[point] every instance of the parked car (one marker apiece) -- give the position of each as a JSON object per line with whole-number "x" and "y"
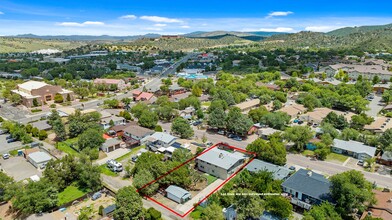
{"x": 11, "y": 140}
{"x": 209, "y": 144}
{"x": 292, "y": 168}
{"x": 360, "y": 163}
{"x": 96, "y": 196}
{"x": 3, "y": 131}
{"x": 222, "y": 132}
{"x": 196, "y": 123}
{"x": 6, "y": 156}
{"x": 8, "y": 137}
{"x": 134, "y": 159}
{"x": 230, "y": 135}
{"x": 237, "y": 138}
{"x": 43, "y": 166}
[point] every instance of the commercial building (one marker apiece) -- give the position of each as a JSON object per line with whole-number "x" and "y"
{"x": 38, "y": 159}
{"x": 35, "y": 92}
{"x": 117, "y": 83}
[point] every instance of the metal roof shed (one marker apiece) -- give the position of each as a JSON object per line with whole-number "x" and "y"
{"x": 177, "y": 194}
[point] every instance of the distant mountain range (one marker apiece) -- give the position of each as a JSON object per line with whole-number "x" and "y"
{"x": 353, "y": 30}
{"x": 253, "y": 36}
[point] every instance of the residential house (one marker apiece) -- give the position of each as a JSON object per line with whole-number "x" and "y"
{"x": 132, "y": 134}
{"x": 272, "y": 87}
{"x": 125, "y": 66}
{"x": 42, "y": 125}
{"x": 307, "y": 188}
{"x": 178, "y": 194}
{"x": 355, "y": 149}
{"x": 144, "y": 96}
{"x": 118, "y": 83}
{"x": 278, "y": 172}
{"x": 330, "y": 81}
{"x": 112, "y": 144}
{"x": 187, "y": 113}
{"x": 293, "y": 110}
{"x": 40, "y": 92}
{"x": 248, "y": 105}
{"x": 118, "y": 130}
{"x": 318, "y": 114}
{"x": 383, "y": 208}
{"x": 380, "y": 88}
{"x": 220, "y": 163}
{"x": 386, "y": 158}
{"x": 158, "y": 140}
{"x": 264, "y": 133}
{"x": 175, "y": 89}
{"x": 112, "y": 120}
{"x": 367, "y": 71}
{"x": 379, "y": 125}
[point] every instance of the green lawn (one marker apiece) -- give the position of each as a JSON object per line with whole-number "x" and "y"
{"x": 207, "y": 104}
{"x": 210, "y": 178}
{"x": 307, "y": 152}
{"x": 15, "y": 152}
{"x": 69, "y": 194}
{"x": 133, "y": 151}
{"x": 65, "y": 147}
{"x": 105, "y": 170}
{"x": 336, "y": 157}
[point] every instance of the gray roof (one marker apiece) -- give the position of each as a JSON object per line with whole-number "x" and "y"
{"x": 177, "y": 191}
{"x": 111, "y": 142}
{"x": 164, "y": 137}
{"x": 39, "y": 157}
{"x": 109, "y": 209}
{"x": 113, "y": 118}
{"x": 387, "y": 156}
{"x": 221, "y": 158}
{"x": 42, "y": 125}
{"x": 354, "y": 146}
{"x": 138, "y": 130}
{"x": 312, "y": 184}
{"x": 278, "y": 172}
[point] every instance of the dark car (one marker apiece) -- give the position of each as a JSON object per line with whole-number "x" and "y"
{"x": 11, "y": 140}
{"x": 3, "y": 131}
{"x": 292, "y": 168}
{"x": 8, "y": 137}
{"x": 196, "y": 123}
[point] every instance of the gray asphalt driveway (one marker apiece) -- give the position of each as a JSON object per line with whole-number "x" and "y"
{"x": 19, "y": 168}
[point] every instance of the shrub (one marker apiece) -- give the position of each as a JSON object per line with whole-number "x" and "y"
{"x": 52, "y": 106}
{"x": 158, "y": 128}
{"x": 58, "y": 98}
{"x": 100, "y": 210}
{"x": 42, "y": 135}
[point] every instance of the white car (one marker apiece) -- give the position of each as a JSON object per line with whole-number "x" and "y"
{"x": 6, "y": 156}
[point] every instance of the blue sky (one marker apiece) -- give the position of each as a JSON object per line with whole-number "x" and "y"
{"x": 119, "y": 18}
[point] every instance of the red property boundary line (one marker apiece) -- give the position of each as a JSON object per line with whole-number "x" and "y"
{"x": 213, "y": 191}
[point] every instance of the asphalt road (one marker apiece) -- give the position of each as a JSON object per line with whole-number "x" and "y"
{"x": 374, "y": 106}
{"x": 329, "y": 169}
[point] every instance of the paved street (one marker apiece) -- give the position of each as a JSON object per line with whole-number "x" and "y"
{"x": 374, "y": 106}
{"x": 329, "y": 168}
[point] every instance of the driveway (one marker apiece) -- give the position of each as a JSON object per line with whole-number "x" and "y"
{"x": 374, "y": 106}
{"x": 7, "y": 147}
{"x": 19, "y": 168}
{"x": 113, "y": 155}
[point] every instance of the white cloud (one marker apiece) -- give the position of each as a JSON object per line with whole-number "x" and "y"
{"x": 185, "y": 26}
{"x": 160, "y": 19}
{"x": 152, "y": 29}
{"x": 278, "y": 29}
{"x": 279, "y": 14}
{"x": 1, "y": 13}
{"x": 76, "y": 24}
{"x": 160, "y": 25}
{"x": 321, "y": 28}
{"x": 129, "y": 17}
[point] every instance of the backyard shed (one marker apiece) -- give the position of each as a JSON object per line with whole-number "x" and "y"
{"x": 177, "y": 194}
{"x": 38, "y": 158}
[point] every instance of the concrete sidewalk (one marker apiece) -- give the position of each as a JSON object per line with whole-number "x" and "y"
{"x": 201, "y": 195}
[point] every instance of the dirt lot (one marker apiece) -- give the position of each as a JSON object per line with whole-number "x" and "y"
{"x": 19, "y": 168}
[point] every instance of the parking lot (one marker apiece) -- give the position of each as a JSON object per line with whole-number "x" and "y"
{"x": 19, "y": 168}
{"x": 7, "y": 147}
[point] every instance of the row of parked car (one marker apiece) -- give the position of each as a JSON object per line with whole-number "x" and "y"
{"x": 230, "y": 135}
{"x": 9, "y": 138}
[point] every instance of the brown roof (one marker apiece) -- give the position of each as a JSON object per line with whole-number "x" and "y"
{"x": 118, "y": 128}
{"x": 248, "y": 104}
{"x": 383, "y": 208}
{"x": 138, "y": 130}
{"x": 293, "y": 110}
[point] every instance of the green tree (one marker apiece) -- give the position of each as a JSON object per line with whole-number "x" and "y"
{"x": 181, "y": 127}
{"x": 59, "y": 130}
{"x": 276, "y": 120}
{"x": 386, "y": 140}
{"x": 310, "y": 101}
{"x": 212, "y": 211}
{"x": 35, "y": 102}
{"x": 351, "y": 191}
{"x": 248, "y": 206}
{"x": 279, "y": 206}
{"x": 82, "y": 92}
{"x": 148, "y": 119}
{"x": 387, "y": 96}
{"x": 142, "y": 178}
{"x": 58, "y": 98}
{"x": 197, "y": 91}
{"x": 277, "y": 105}
{"x": 138, "y": 109}
{"x": 359, "y": 121}
{"x": 257, "y": 113}
{"x": 237, "y": 122}
{"x": 325, "y": 211}
{"x": 90, "y": 139}
{"x": 16, "y": 98}
{"x": 42, "y": 135}
{"x": 35, "y": 197}
{"x": 273, "y": 151}
{"x": 129, "y": 204}
{"x": 217, "y": 118}
{"x": 300, "y": 135}
{"x": 338, "y": 121}
{"x": 6, "y": 184}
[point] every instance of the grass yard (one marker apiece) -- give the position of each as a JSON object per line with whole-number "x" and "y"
{"x": 105, "y": 170}
{"x": 207, "y": 104}
{"x": 69, "y": 194}
{"x": 336, "y": 157}
{"x": 133, "y": 151}
{"x": 65, "y": 147}
{"x": 307, "y": 152}
{"x": 15, "y": 152}
{"x": 210, "y": 178}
